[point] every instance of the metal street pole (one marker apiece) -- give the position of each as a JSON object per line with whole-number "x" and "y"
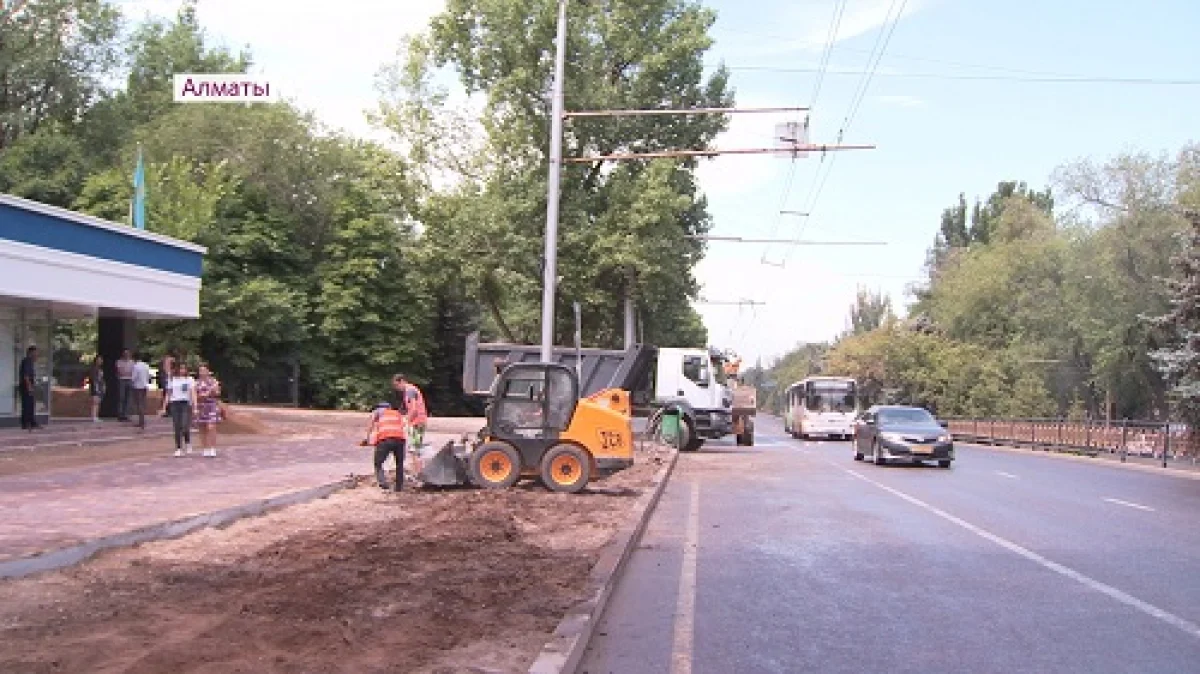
{"x": 550, "y": 278}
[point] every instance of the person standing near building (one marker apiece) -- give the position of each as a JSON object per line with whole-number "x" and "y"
{"x": 387, "y": 433}
{"x": 165, "y": 370}
{"x": 124, "y": 384}
{"x": 181, "y": 401}
{"x": 208, "y": 409}
{"x": 96, "y": 386}
{"x": 414, "y": 408}
{"x": 139, "y": 385}
{"x": 28, "y": 376}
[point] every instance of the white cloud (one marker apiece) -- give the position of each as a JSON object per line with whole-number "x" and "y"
{"x": 901, "y": 100}
{"x": 323, "y": 57}
{"x": 813, "y": 21}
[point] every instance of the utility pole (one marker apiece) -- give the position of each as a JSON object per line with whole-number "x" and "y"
{"x": 550, "y": 272}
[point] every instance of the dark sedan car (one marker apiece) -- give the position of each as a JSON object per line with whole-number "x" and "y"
{"x": 898, "y": 433}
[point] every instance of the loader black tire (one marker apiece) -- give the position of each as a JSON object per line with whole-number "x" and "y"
{"x": 495, "y": 465}
{"x": 566, "y": 468}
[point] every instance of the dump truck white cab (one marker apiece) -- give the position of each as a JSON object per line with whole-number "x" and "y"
{"x": 694, "y": 380}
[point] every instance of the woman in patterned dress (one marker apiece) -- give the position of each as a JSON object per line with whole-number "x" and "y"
{"x": 208, "y": 409}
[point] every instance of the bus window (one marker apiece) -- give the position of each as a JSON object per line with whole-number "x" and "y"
{"x": 829, "y": 399}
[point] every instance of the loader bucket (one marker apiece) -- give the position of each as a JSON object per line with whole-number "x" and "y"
{"x": 443, "y": 467}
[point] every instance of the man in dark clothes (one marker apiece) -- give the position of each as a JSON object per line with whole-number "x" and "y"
{"x": 28, "y": 386}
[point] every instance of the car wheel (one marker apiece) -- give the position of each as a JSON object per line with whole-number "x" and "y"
{"x": 877, "y": 455}
{"x": 943, "y": 464}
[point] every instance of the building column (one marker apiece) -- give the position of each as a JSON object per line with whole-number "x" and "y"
{"x": 116, "y": 333}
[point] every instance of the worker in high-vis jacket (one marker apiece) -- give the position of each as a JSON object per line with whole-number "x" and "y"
{"x": 387, "y": 433}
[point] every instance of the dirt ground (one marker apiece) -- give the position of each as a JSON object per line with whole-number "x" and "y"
{"x": 457, "y": 580}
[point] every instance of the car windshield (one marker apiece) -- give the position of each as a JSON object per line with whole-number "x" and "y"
{"x": 905, "y": 417}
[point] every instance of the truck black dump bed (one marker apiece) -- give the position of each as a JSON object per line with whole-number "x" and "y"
{"x": 631, "y": 369}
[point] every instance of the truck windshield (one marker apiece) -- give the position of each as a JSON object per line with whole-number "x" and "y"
{"x": 718, "y": 370}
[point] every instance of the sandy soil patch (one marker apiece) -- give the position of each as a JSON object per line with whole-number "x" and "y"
{"x": 457, "y": 580}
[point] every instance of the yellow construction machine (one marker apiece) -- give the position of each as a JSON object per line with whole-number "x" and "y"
{"x": 538, "y": 426}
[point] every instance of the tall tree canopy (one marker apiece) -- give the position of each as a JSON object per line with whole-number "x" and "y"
{"x": 624, "y": 227}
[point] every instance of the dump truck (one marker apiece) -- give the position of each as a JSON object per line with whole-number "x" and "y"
{"x": 745, "y": 400}
{"x": 688, "y": 379}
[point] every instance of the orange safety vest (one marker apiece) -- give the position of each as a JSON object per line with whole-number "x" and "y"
{"x": 389, "y": 425}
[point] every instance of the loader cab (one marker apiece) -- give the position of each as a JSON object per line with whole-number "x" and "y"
{"x": 532, "y": 403}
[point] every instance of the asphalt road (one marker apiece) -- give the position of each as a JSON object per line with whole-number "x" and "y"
{"x": 791, "y": 557}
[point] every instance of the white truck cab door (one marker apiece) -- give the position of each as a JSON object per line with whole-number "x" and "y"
{"x": 687, "y": 374}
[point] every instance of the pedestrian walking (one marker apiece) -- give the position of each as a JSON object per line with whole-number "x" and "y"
{"x": 139, "y": 385}
{"x": 414, "y": 408}
{"x": 387, "y": 433}
{"x": 208, "y": 409}
{"x": 28, "y": 386}
{"x": 124, "y": 384}
{"x": 181, "y": 402}
{"x": 96, "y": 386}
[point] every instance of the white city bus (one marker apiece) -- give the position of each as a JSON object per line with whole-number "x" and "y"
{"x": 821, "y": 407}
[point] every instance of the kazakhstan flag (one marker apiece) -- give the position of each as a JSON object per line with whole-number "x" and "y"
{"x": 137, "y": 209}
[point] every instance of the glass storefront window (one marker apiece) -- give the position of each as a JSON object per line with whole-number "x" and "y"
{"x": 10, "y": 359}
{"x": 20, "y": 329}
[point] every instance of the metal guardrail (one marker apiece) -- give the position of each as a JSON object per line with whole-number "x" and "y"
{"x": 1124, "y": 438}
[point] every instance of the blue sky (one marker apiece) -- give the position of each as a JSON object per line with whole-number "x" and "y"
{"x": 936, "y": 136}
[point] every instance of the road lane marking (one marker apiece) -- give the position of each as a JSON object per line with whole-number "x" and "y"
{"x": 1008, "y": 475}
{"x": 685, "y": 605}
{"x": 1129, "y": 600}
{"x": 1128, "y": 504}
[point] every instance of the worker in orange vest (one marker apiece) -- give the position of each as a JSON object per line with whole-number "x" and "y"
{"x": 387, "y": 433}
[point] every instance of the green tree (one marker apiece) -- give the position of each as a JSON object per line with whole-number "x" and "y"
{"x": 624, "y": 228}
{"x": 1180, "y": 362}
{"x": 54, "y": 56}
{"x": 45, "y": 166}
{"x": 869, "y": 311}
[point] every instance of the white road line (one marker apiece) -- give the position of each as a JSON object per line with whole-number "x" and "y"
{"x": 1149, "y": 609}
{"x": 1008, "y": 475}
{"x": 1128, "y": 504}
{"x": 685, "y": 606}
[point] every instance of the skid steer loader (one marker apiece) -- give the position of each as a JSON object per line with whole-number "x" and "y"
{"x": 539, "y": 427}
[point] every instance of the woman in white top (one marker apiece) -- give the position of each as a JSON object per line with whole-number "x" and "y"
{"x": 181, "y": 402}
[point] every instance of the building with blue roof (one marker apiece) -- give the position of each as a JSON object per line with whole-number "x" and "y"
{"x": 58, "y": 264}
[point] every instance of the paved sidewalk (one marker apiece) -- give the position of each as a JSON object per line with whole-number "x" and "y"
{"x": 55, "y": 509}
{"x": 69, "y": 432}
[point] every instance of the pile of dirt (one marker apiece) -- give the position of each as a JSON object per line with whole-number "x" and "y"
{"x": 363, "y": 581}
{"x": 242, "y": 422}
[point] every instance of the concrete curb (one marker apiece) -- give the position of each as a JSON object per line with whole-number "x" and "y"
{"x": 1066, "y": 456}
{"x": 69, "y": 556}
{"x": 563, "y": 653}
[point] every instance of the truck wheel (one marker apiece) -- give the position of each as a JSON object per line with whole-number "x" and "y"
{"x": 566, "y": 468}
{"x": 495, "y": 465}
{"x": 746, "y": 437}
{"x": 689, "y": 440}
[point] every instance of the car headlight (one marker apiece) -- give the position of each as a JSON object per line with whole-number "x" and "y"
{"x": 892, "y": 437}
{"x": 945, "y": 438}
